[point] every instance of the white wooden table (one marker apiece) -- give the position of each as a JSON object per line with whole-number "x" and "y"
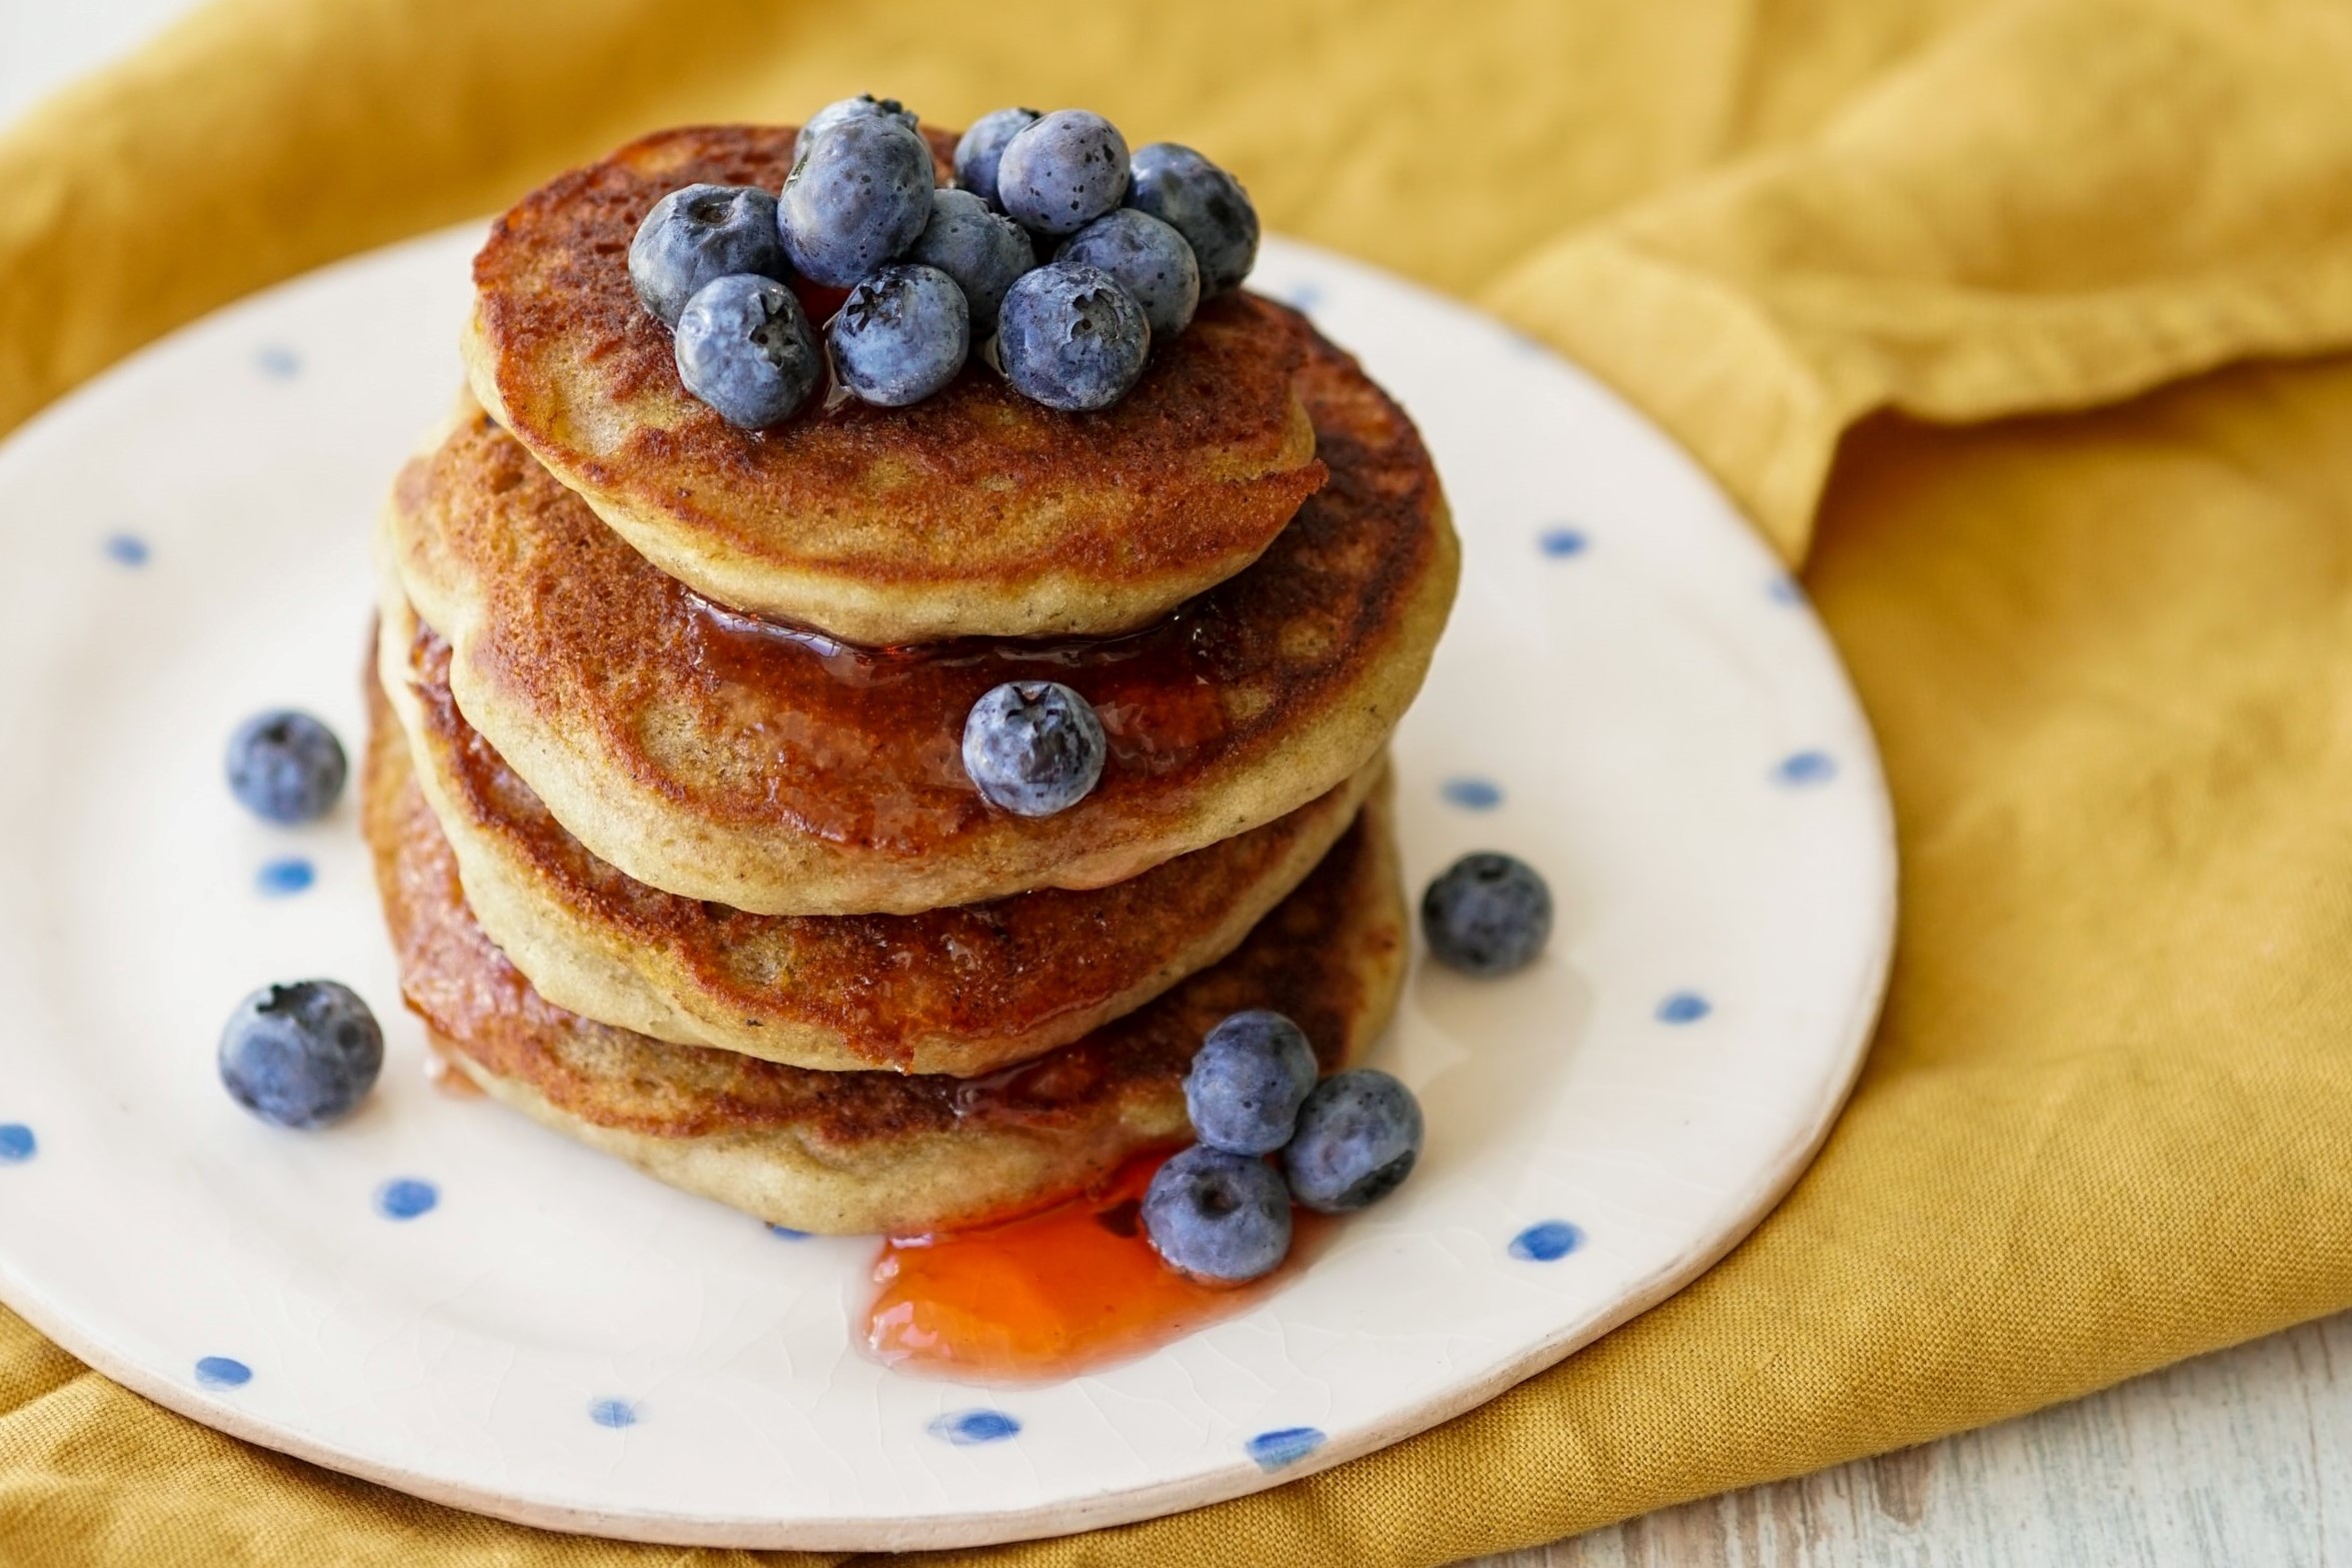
{"x": 2242, "y": 1458}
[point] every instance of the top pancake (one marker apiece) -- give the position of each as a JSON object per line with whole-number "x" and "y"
{"x": 729, "y": 759}
{"x": 974, "y": 512}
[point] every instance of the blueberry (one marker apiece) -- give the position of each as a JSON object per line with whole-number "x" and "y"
{"x": 1359, "y": 1135}
{"x": 1220, "y": 1218}
{"x": 1034, "y": 746}
{"x": 1247, "y": 1081}
{"x": 901, "y": 335}
{"x": 1489, "y": 914}
{"x": 745, "y": 348}
{"x": 1203, "y": 204}
{"x": 978, "y": 153}
{"x": 285, "y": 766}
{"x": 1062, "y": 171}
{"x": 301, "y": 1056}
{"x": 1150, "y": 260}
{"x": 1070, "y": 337}
{"x": 863, "y": 107}
{"x": 982, "y": 250}
{"x": 698, "y": 234}
{"x": 860, "y": 196}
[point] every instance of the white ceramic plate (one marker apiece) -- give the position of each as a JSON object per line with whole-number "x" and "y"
{"x": 441, "y": 1298}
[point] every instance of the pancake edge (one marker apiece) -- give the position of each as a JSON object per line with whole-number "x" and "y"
{"x": 592, "y": 972}
{"x": 963, "y": 1177}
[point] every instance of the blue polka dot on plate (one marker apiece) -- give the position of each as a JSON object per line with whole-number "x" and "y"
{"x": 615, "y": 1413}
{"x": 278, "y": 362}
{"x": 1283, "y": 1446}
{"x": 1684, "y": 1007}
{"x": 967, "y": 1427}
{"x": 788, "y": 1232}
{"x": 1305, "y": 296}
{"x": 17, "y": 1143}
{"x": 1471, "y": 795}
{"x": 289, "y": 874}
{"x": 1561, "y": 542}
{"x": 223, "y": 1372}
{"x": 1546, "y": 1241}
{"x": 1806, "y": 768}
{"x": 405, "y": 1197}
{"x": 1783, "y": 590}
{"x": 126, "y": 550}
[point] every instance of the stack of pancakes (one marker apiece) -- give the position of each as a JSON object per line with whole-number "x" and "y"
{"x": 665, "y": 782}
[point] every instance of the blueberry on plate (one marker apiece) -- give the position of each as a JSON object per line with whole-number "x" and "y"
{"x": 285, "y": 766}
{"x": 1034, "y": 746}
{"x": 1062, "y": 171}
{"x": 1203, "y": 204}
{"x": 1247, "y": 1081}
{"x": 863, "y": 107}
{"x": 857, "y": 198}
{"x": 699, "y": 233}
{"x": 901, "y": 335}
{"x": 1359, "y": 1135}
{"x": 301, "y": 1056}
{"x": 1217, "y": 1217}
{"x": 1070, "y": 338}
{"x": 1487, "y": 914}
{"x": 981, "y": 249}
{"x": 982, "y": 146}
{"x": 744, "y": 347}
{"x": 1150, "y": 260}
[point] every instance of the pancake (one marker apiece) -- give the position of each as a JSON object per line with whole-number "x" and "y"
{"x": 736, "y": 760}
{"x": 847, "y": 1153}
{"x": 972, "y": 513}
{"x": 956, "y": 991}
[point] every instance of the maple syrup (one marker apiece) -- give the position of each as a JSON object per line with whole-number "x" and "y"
{"x": 1069, "y": 1291}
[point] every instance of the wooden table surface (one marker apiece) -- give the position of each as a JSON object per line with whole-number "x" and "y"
{"x": 2241, "y": 1459}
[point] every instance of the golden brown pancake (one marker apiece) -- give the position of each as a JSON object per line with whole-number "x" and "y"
{"x": 731, "y": 759}
{"x": 972, "y": 513}
{"x": 956, "y": 991}
{"x": 871, "y": 1151}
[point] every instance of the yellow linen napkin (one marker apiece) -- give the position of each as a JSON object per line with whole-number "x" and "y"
{"x": 2107, "y": 1121}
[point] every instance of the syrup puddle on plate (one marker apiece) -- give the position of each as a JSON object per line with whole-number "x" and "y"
{"x": 1069, "y": 1291}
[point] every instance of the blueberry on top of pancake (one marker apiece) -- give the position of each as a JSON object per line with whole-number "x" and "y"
{"x": 976, "y": 512}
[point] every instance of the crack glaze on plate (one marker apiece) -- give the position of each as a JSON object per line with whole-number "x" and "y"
{"x": 440, "y": 1296}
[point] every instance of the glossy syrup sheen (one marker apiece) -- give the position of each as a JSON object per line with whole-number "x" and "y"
{"x": 1049, "y": 1296}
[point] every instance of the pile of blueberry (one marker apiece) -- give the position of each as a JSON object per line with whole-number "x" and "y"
{"x": 1219, "y": 1211}
{"x": 302, "y": 1054}
{"x": 1072, "y": 254}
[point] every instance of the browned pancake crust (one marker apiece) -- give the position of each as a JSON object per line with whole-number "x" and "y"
{"x": 956, "y": 991}
{"x": 976, "y": 511}
{"x": 726, "y": 758}
{"x": 849, "y": 1152}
